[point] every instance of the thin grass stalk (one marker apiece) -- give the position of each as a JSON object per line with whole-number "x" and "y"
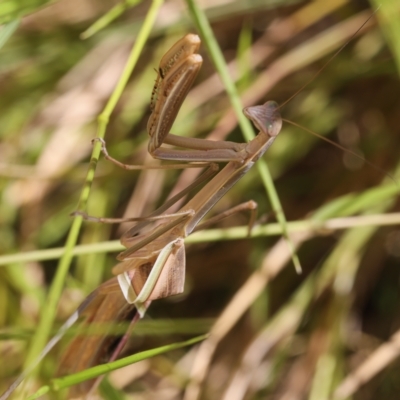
{"x": 57, "y": 384}
{"x": 49, "y": 310}
{"x": 215, "y": 235}
{"x": 109, "y": 17}
{"x": 388, "y": 12}
{"x": 7, "y": 31}
{"x": 216, "y": 55}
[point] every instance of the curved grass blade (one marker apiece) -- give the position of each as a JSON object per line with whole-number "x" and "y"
{"x": 70, "y": 380}
{"x": 216, "y": 55}
{"x": 48, "y": 313}
{"x": 7, "y": 31}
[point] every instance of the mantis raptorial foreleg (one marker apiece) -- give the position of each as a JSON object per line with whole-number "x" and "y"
{"x": 176, "y": 74}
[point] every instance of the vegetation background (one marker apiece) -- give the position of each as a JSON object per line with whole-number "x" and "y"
{"x": 317, "y": 335}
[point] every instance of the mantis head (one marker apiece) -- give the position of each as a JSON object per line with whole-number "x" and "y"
{"x": 266, "y": 117}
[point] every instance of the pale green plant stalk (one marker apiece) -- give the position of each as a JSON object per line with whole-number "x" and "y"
{"x": 57, "y": 384}
{"x": 218, "y": 235}
{"x": 388, "y": 13}
{"x": 216, "y": 55}
{"x": 109, "y": 17}
{"x": 49, "y": 310}
{"x": 6, "y": 31}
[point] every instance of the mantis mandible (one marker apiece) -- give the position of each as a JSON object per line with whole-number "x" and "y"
{"x": 153, "y": 265}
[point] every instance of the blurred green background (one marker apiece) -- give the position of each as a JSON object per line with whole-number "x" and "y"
{"x": 60, "y": 62}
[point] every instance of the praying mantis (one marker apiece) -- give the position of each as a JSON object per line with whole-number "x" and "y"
{"x": 153, "y": 265}
{"x": 96, "y": 307}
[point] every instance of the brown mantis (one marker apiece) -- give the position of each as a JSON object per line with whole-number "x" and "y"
{"x": 153, "y": 266}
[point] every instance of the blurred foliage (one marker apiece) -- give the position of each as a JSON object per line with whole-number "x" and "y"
{"x": 302, "y": 334}
{"x": 14, "y": 9}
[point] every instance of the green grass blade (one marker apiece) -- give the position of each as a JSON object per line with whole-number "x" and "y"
{"x": 70, "y": 380}
{"x": 107, "y": 18}
{"x": 388, "y": 16}
{"x": 12, "y": 9}
{"x": 48, "y": 312}
{"x": 216, "y": 55}
{"x": 7, "y": 30}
